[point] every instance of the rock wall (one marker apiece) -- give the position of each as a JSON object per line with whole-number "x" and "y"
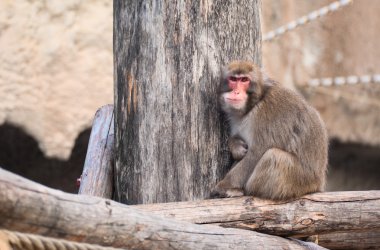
{"x": 343, "y": 43}
{"x": 56, "y": 65}
{"x": 56, "y": 68}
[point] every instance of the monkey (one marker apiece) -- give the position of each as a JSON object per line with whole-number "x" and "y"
{"x": 278, "y": 141}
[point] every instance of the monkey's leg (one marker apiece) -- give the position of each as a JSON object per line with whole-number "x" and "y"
{"x": 278, "y": 175}
{"x": 233, "y": 183}
{"x": 224, "y": 189}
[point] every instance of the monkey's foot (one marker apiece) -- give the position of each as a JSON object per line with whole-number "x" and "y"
{"x": 234, "y": 192}
{"x": 229, "y": 193}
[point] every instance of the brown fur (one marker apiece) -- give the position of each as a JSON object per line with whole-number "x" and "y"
{"x": 279, "y": 142}
{"x": 240, "y": 66}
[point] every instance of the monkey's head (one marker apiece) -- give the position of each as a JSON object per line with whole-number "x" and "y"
{"x": 241, "y": 87}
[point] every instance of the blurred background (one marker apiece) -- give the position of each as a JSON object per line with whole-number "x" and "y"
{"x": 56, "y": 70}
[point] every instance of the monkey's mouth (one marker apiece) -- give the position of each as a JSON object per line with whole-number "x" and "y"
{"x": 234, "y": 100}
{"x": 235, "y": 103}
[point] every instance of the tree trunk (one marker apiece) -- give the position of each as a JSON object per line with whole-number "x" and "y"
{"x": 29, "y": 207}
{"x": 170, "y": 137}
{"x": 97, "y": 176}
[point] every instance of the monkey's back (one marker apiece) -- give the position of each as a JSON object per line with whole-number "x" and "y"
{"x": 284, "y": 120}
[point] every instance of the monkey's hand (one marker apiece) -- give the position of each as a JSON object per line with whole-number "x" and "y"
{"x": 237, "y": 147}
{"x": 222, "y": 192}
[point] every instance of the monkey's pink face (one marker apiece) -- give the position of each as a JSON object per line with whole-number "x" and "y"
{"x": 237, "y": 97}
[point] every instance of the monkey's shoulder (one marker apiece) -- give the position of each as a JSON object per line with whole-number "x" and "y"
{"x": 281, "y": 100}
{"x": 283, "y": 110}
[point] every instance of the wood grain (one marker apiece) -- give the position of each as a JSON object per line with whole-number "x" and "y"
{"x": 312, "y": 214}
{"x": 170, "y": 137}
{"x": 29, "y": 207}
{"x": 351, "y": 240}
{"x": 97, "y": 176}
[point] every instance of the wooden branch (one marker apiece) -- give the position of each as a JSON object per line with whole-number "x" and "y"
{"x": 97, "y": 176}
{"x": 312, "y": 214}
{"x": 26, "y": 206}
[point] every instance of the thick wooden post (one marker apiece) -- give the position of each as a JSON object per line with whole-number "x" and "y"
{"x": 170, "y": 137}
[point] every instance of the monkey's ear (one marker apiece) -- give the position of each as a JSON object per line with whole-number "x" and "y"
{"x": 253, "y": 87}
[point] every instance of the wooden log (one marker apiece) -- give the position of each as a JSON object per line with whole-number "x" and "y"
{"x": 170, "y": 139}
{"x": 97, "y": 176}
{"x": 312, "y": 214}
{"x": 26, "y": 206}
{"x": 350, "y": 240}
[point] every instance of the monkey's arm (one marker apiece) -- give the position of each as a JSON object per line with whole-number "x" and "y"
{"x": 238, "y": 147}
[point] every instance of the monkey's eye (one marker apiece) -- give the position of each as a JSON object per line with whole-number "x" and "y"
{"x": 245, "y": 79}
{"x": 233, "y": 78}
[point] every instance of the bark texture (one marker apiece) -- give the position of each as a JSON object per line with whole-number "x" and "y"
{"x": 29, "y": 207}
{"x": 312, "y": 214}
{"x": 97, "y": 176}
{"x": 170, "y": 137}
{"x": 351, "y": 240}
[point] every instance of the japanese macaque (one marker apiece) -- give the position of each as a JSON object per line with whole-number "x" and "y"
{"x": 279, "y": 142}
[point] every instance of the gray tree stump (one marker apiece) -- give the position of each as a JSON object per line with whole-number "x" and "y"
{"x": 170, "y": 137}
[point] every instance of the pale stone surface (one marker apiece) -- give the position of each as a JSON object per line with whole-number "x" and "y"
{"x": 341, "y": 44}
{"x": 56, "y": 67}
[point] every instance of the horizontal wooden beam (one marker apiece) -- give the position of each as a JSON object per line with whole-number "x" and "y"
{"x": 350, "y": 240}
{"x": 29, "y": 207}
{"x": 318, "y": 213}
